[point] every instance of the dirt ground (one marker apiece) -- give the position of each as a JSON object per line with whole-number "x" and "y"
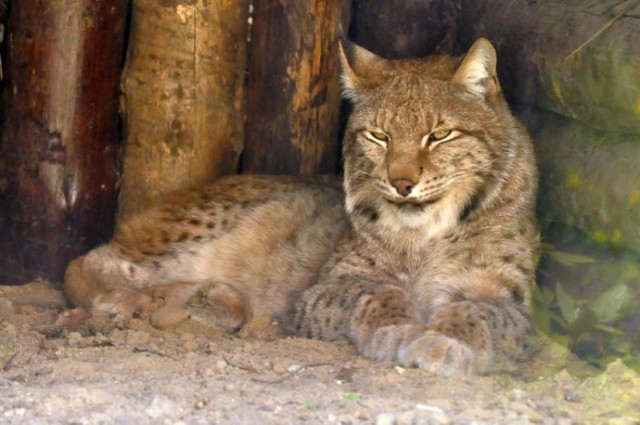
{"x": 127, "y": 372}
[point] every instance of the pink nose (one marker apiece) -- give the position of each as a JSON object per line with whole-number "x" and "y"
{"x": 403, "y": 186}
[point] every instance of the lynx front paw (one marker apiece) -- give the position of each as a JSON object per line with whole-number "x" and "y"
{"x": 413, "y": 345}
{"x": 124, "y": 302}
{"x": 438, "y": 354}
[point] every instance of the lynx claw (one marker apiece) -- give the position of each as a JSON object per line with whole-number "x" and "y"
{"x": 437, "y": 354}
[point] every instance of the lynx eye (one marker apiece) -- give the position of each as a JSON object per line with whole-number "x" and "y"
{"x": 377, "y": 137}
{"x": 439, "y": 135}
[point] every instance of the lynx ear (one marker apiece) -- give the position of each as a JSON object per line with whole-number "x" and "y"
{"x": 477, "y": 72}
{"x": 361, "y": 69}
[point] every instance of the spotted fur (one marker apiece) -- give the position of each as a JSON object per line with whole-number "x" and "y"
{"x": 431, "y": 265}
{"x": 440, "y": 186}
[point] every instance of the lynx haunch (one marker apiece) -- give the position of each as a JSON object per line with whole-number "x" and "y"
{"x": 430, "y": 264}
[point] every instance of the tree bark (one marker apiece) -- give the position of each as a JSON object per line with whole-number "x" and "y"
{"x": 58, "y": 183}
{"x": 293, "y": 99}
{"x": 183, "y": 96}
{"x": 405, "y": 29}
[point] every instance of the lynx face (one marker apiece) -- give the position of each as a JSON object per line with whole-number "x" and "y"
{"x": 424, "y": 141}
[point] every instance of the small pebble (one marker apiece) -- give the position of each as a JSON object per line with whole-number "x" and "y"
{"x": 74, "y": 336}
{"x": 358, "y": 415}
{"x": 10, "y": 328}
{"x": 191, "y": 345}
{"x": 221, "y": 364}
{"x": 200, "y": 404}
{"x": 21, "y": 379}
{"x": 424, "y": 414}
{"x": 27, "y": 309}
{"x": 48, "y": 345}
{"x": 187, "y": 337}
{"x": 386, "y": 418}
{"x": 271, "y": 406}
{"x": 118, "y": 337}
{"x": 6, "y": 308}
{"x": 161, "y": 406}
{"x": 572, "y": 397}
{"x": 294, "y": 368}
{"x": 137, "y": 338}
{"x": 43, "y": 371}
{"x": 279, "y": 368}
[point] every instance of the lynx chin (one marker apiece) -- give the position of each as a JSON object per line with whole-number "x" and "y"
{"x": 424, "y": 257}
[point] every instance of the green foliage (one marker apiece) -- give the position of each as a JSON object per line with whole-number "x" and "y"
{"x": 609, "y": 305}
{"x": 5, "y": 350}
{"x": 587, "y": 296}
{"x": 588, "y": 327}
{"x": 346, "y": 398}
{"x": 567, "y": 306}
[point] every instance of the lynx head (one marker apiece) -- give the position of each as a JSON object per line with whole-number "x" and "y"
{"x": 428, "y": 139}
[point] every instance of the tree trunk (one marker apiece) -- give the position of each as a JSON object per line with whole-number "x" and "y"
{"x": 572, "y": 58}
{"x": 293, "y": 99}
{"x": 183, "y": 96}
{"x": 405, "y": 29}
{"x": 58, "y": 185}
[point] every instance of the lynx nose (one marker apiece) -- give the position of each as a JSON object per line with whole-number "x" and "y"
{"x": 403, "y": 186}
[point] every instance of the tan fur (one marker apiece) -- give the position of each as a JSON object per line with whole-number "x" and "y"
{"x": 438, "y": 270}
{"x": 247, "y": 244}
{"x": 434, "y": 267}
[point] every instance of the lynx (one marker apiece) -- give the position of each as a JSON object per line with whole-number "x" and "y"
{"x": 429, "y": 263}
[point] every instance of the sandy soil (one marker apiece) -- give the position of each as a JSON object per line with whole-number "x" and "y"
{"x": 126, "y": 372}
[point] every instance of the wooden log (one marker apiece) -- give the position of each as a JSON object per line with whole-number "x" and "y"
{"x": 405, "y": 29}
{"x": 58, "y": 189}
{"x": 293, "y": 98}
{"x": 589, "y": 179}
{"x": 578, "y": 60}
{"x": 183, "y": 96}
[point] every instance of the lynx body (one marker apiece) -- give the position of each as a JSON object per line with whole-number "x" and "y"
{"x": 431, "y": 265}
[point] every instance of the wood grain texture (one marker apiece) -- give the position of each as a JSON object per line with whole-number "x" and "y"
{"x": 293, "y": 93}
{"x": 183, "y": 91}
{"x": 58, "y": 179}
